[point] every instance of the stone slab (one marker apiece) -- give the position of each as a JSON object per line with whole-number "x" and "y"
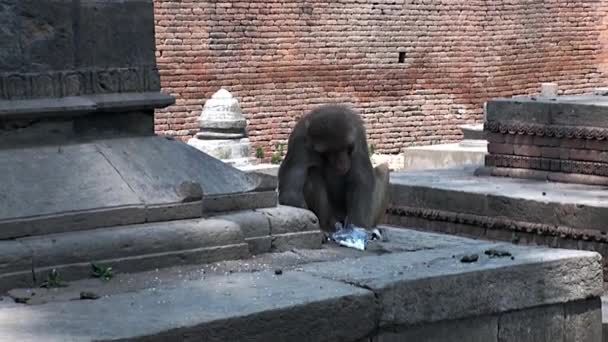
{"x": 478, "y": 329}
{"x": 459, "y": 191}
{"x": 286, "y": 219}
{"x": 154, "y": 178}
{"x": 127, "y": 248}
{"x": 584, "y": 110}
{"x": 430, "y": 286}
{"x": 119, "y": 181}
{"x": 261, "y": 306}
{"x": 359, "y": 292}
{"x": 442, "y": 156}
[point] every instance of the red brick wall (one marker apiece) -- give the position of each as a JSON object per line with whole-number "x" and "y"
{"x": 281, "y": 58}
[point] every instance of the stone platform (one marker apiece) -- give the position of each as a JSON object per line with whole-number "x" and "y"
{"x": 522, "y": 210}
{"x": 415, "y": 287}
{"x": 443, "y": 156}
{"x": 139, "y": 247}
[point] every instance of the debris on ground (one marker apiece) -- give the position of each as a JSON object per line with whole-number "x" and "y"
{"x": 353, "y": 236}
{"x": 469, "y": 258}
{"x": 497, "y": 253}
{"x": 278, "y": 271}
{"x": 88, "y": 295}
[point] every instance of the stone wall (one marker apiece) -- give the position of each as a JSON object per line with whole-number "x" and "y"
{"x": 416, "y": 69}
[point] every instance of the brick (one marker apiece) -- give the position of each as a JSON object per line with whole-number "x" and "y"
{"x": 500, "y": 148}
{"x": 280, "y": 59}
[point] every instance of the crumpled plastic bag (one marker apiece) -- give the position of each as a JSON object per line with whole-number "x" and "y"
{"x": 353, "y": 236}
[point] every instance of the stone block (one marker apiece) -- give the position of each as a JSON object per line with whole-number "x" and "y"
{"x": 259, "y": 245}
{"x": 542, "y": 324}
{"x": 477, "y": 329}
{"x": 213, "y": 204}
{"x": 550, "y": 152}
{"x": 286, "y": 219}
{"x": 527, "y": 150}
{"x": 252, "y": 223}
{"x": 500, "y": 148}
{"x": 259, "y": 306}
{"x": 120, "y": 242}
{"x": 545, "y": 141}
{"x": 586, "y": 110}
{"x": 298, "y": 240}
{"x": 431, "y": 286}
{"x": 583, "y": 321}
{"x": 175, "y": 211}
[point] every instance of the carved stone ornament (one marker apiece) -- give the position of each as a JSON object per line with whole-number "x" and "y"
{"x": 557, "y": 131}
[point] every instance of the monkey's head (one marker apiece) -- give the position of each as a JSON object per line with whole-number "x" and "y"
{"x": 332, "y": 132}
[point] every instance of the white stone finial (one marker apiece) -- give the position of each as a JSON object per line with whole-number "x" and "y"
{"x": 222, "y": 94}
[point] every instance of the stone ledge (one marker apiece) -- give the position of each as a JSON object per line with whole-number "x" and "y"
{"x": 260, "y": 306}
{"x": 133, "y": 248}
{"x": 389, "y": 297}
{"x": 81, "y": 105}
{"x": 435, "y": 285}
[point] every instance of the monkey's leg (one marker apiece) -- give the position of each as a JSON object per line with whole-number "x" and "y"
{"x": 380, "y": 196}
{"x": 367, "y": 197}
{"x": 317, "y": 200}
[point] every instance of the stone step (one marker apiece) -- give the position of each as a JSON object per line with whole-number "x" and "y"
{"x": 410, "y": 290}
{"x": 133, "y": 248}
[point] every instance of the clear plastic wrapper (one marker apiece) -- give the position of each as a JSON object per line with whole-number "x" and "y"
{"x": 353, "y": 236}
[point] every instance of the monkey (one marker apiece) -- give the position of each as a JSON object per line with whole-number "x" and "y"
{"x": 327, "y": 169}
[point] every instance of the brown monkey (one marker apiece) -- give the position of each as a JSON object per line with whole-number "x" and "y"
{"x": 327, "y": 170}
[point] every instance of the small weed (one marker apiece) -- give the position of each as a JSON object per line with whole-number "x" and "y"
{"x": 102, "y": 272}
{"x": 277, "y": 156}
{"x": 259, "y": 152}
{"x": 53, "y": 280}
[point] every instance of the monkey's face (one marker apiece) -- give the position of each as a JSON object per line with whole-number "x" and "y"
{"x": 339, "y": 160}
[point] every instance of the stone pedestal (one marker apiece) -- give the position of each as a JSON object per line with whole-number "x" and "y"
{"x": 222, "y": 131}
{"x": 558, "y": 139}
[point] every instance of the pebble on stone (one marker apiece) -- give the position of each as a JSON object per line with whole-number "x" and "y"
{"x": 493, "y": 253}
{"x": 88, "y": 295}
{"x": 469, "y": 258}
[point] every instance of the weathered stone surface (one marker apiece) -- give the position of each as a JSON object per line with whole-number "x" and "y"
{"x": 252, "y": 223}
{"x": 477, "y": 329}
{"x": 213, "y": 204}
{"x": 260, "y": 306}
{"x": 459, "y": 191}
{"x": 434, "y": 285}
{"x": 14, "y": 257}
{"x": 533, "y": 325}
{"x": 155, "y": 179}
{"x": 286, "y": 219}
{"x": 424, "y": 295}
{"x": 582, "y": 321}
{"x": 585, "y": 110}
{"x": 128, "y": 241}
{"x": 298, "y": 240}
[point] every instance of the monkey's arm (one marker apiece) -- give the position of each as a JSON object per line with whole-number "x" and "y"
{"x": 292, "y": 177}
{"x": 359, "y": 194}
